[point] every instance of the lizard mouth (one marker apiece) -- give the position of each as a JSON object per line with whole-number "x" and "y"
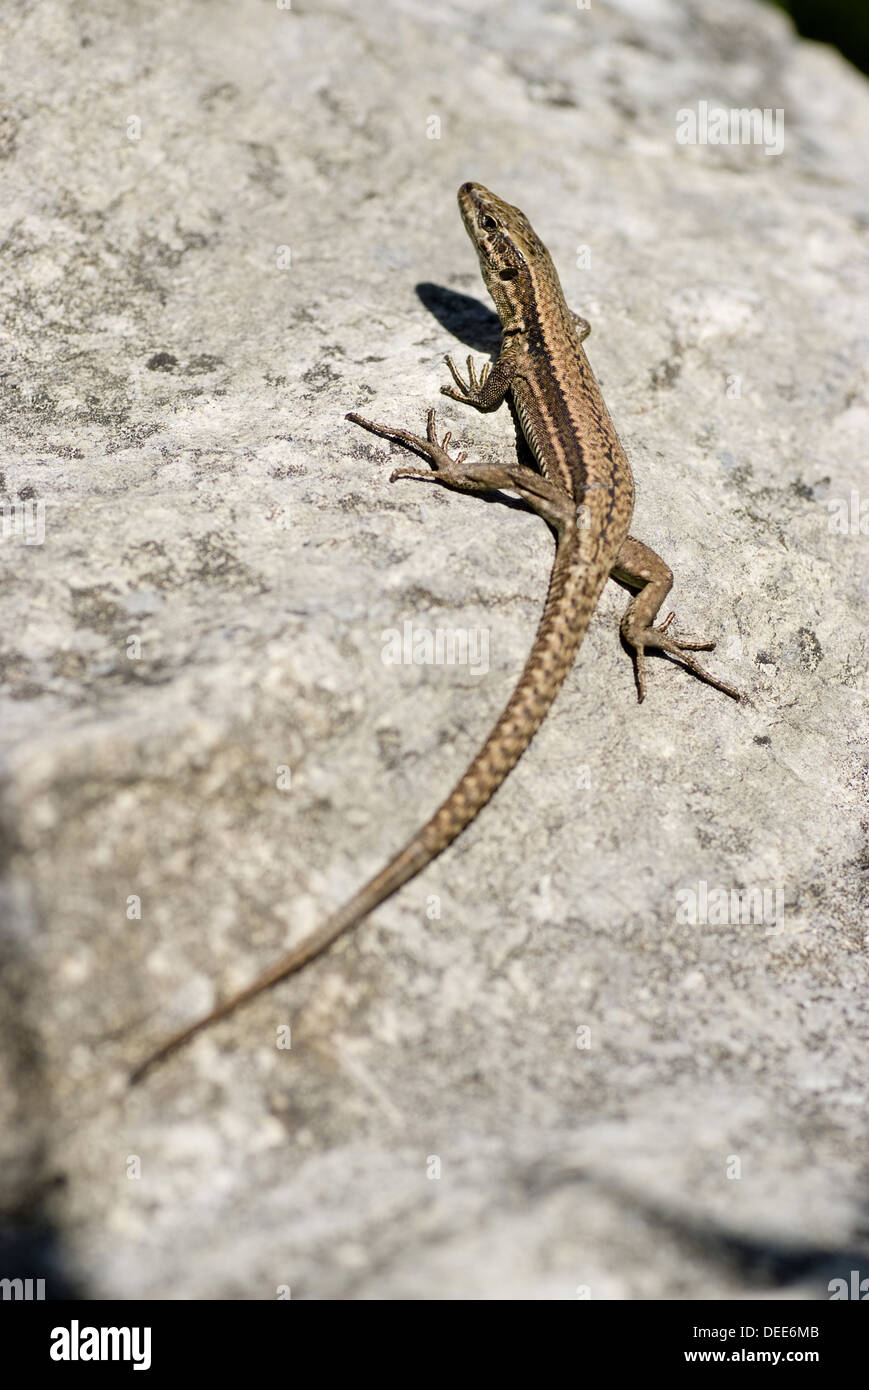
{"x": 486, "y": 220}
{"x": 473, "y": 198}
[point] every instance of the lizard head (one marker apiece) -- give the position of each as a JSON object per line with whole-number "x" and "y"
{"x": 506, "y": 243}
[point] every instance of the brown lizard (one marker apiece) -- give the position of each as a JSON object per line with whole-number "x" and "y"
{"x": 584, "y": 489}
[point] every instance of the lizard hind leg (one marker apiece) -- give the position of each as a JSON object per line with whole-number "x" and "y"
{"x": 638, "y": 566}
{"x": 445, "y": 467}
{"x": 460, "y": 475}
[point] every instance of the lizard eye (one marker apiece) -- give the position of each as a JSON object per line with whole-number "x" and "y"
{"x": 488, "y": 223}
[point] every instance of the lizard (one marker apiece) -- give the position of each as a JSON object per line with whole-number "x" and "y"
{"x": 581, "y": 485}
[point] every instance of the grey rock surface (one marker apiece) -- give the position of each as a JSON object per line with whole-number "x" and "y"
{"x": 527, "y": 1075}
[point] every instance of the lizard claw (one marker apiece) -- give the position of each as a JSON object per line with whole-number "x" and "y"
{"x": 431, "y": 448}
{"x": 469, "y": 391}
{"x": 655, "y": 639}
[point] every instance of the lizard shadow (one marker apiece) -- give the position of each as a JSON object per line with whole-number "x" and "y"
{"x": 465, "y": 317}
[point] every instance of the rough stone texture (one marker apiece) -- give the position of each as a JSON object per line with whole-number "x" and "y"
{"x": 175, "y": 383}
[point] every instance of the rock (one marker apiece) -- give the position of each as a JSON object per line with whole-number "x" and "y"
{"x": 559, "y": 1061}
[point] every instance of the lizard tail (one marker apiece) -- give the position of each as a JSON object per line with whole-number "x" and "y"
{"x": 572, "y": 597}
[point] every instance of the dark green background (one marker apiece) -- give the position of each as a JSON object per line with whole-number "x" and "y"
{"x": 842, "y": 22}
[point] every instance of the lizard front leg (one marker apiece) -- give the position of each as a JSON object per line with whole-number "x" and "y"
{"x": 488, "y": 391}
{"x": 638, "y": 565}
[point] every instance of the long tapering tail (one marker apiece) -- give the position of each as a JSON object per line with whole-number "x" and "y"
{"x": 573, "y": 593}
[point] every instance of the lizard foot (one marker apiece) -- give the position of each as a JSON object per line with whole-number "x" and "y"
{"x": 470, "y": 392}
{"x": 656, "y": 639}
{"x": 462, "y": 475}
{"x": 430, "y": 448}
